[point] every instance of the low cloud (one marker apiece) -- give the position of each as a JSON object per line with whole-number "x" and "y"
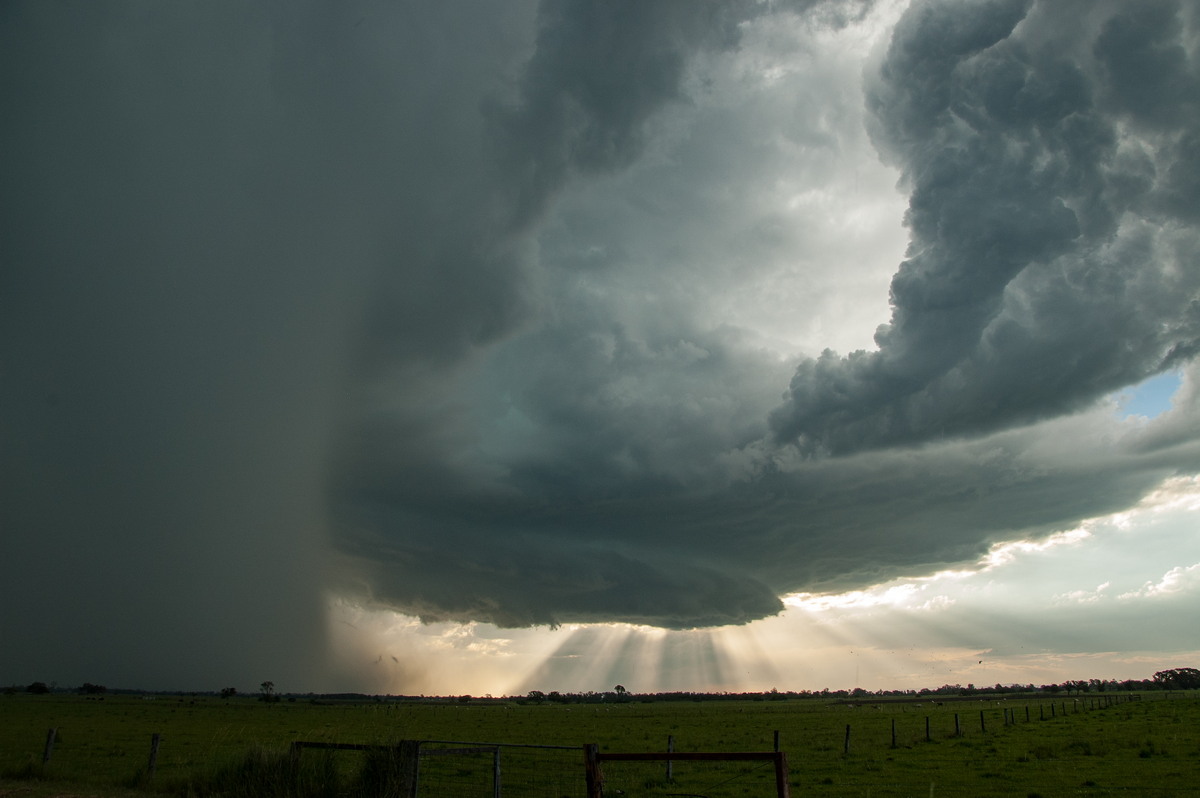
{"x": 1083, "y": 596}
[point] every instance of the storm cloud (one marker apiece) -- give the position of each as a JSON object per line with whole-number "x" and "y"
{"x": 484, "y": 312}
{"x": 1053, "y": 242}
{"x": 624, "y": 457}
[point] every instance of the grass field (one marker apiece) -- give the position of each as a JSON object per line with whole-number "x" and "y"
{"x": 1084, "y": 746}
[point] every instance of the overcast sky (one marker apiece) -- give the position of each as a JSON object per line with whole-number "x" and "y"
{"x": 486, "y": 347}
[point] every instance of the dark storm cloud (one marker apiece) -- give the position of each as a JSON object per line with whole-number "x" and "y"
{"x": 285, "y": 280}
{"x": 413, "y": 488}
{"x": 599, "y": 72}
{"x": 612, "y": 459}
{"x": 576, "y": 406}
{"x": 1053, "y": 242}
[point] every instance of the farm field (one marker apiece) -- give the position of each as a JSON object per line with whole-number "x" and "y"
{"x": 1036, "y": 746}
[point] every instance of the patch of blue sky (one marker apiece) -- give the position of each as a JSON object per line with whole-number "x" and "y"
{"x": 1149, "y": 398}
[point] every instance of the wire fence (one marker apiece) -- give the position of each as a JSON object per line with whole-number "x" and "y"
{"x": 492, "y": 770}
{"x": 698, "y": 775}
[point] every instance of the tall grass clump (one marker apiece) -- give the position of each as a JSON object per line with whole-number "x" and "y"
{"x": 29, "y": 770}
{"x": 385, "y": 773}
{"x": 268, "y": 773}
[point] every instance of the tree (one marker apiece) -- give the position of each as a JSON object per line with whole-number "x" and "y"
{"x": 230, "y": 692}
{"x": 267, "y": 692}
{"x": 620, "y": 689}
{"x": 1178, "y": 679}
{"x": 37, "y": 688}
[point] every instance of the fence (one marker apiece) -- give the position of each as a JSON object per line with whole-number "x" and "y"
{"x": 911, "y": 730}
{"x": 847, "y": 744}
{"x": 430, "y": 768}
{"x": 706, "y": 780}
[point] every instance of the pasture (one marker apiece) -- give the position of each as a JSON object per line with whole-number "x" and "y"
{"x": 1024, "y": 746}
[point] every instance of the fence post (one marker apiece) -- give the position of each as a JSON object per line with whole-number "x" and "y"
{"x": 496, "y": 792}
{"x": 782, "y": 789}
{"x": 1026, "y": 713}
{"x": 408, "y": 754}
{"x": 846, "y": 746}
{"x": 51, "y": 735}
{"x": 927, "y": 737}
{"x": 893, "y": 732}
{"x": 957, "y": 727}
{"x": 670, "y": 750}
{"x": 595, "y": 777}
{"x": 982, "y": 723}
{"x": 777, "y": 741}
{"x": 152, "y": 766}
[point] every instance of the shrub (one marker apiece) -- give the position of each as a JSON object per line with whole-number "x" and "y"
{"x": 263, "y": 773}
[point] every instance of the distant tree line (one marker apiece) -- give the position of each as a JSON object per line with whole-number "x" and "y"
{"x": 1171, "y": 679}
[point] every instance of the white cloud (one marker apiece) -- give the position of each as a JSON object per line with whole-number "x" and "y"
{"x": 1083, "y": 596}
{"x": 1176, "y": 581}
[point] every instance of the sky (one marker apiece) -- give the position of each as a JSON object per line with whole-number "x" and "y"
{"x": 476, "y": 347}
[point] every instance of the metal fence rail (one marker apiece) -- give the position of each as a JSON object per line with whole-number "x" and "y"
{"x": 722, "y": 770}
{"x": 499, "y": 770}
{"x": 436, "y": 768}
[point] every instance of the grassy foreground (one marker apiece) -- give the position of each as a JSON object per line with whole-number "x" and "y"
{"x": 1039, "y": 746}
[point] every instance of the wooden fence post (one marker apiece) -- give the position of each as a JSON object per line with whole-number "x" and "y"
{"x": 893, "y": 732}
{"x": 957, "y": 727}
{"x": 51, "y": 736}
{"x": 409, "y": 754}
{"x": 846, "y": 745}
{"x": 777, "y": 741}
{"x": 927, "y": 737}
{"x": 782, "y": 789}
{"x": 1026, "y": 713}
{"x": 595, "y": 777}
{"x": 982, "y": 723}
{"x": 670, "y": 750}
{"x": 496, "y": 791}
{"x": 152, "y": 766}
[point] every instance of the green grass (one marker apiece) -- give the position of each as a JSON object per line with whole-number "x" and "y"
{"x": 238, "y": 747}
